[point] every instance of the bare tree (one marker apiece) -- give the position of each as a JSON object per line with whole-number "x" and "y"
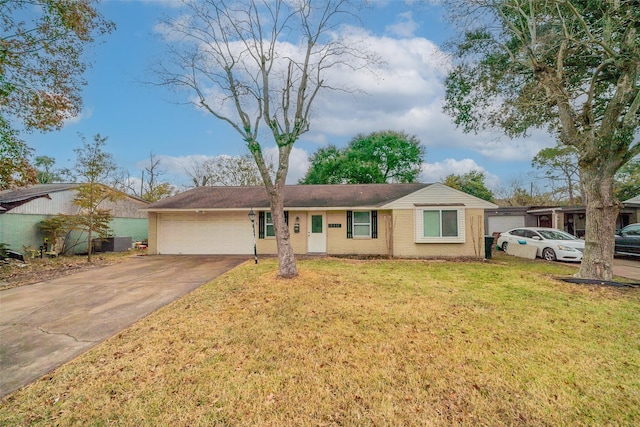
{"x": 152, "y": 188}
{"x": 523, "y": 190}
{"x": 560, "y": 167}
{"x": 227, "y": 170}
{"x": 198, "y": 173}
{"x": 256, "y": 63}
{"x": 234, "y": 171}
{"x": 122, "y": 181}
{"x": 149, "y": 186}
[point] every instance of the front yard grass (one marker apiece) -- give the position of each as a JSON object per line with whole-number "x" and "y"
{"x": 362, "y": 343}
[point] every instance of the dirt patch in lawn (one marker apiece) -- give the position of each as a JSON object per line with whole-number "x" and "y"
{"x": 34, "y": 270}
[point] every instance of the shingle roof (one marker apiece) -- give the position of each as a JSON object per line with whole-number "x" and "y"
{"x": 10, "y": 199}
{"x": 33, "y": 192}
{"x": 633, "y": 201}
{"x": 299, "y": 196}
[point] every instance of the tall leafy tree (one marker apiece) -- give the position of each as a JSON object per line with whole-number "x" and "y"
{"x": 260, "y": 64}
{"x": 326, "y": 167}
{"x": 386, "y": 156}
{"x": 472, "y": 183}
{"x": 48, "y": 174}
{"x": 571, "y": 65}
{"x": 44, "y": 164}
{"x": 560, "y": 165}
{"x": 42, "y": 43}
{"x": 41, "y": 58}
{"x": 628, "y": 181}
{"x": 16, "y": 169}
{"x": 380, "y": 157}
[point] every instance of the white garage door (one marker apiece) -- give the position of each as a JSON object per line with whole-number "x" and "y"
{"x": 217, "y": 233}
{"x": 500, "y": 224}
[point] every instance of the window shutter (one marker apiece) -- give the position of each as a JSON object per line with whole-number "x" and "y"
{"x": 286, "y": 217}
{"x": 374, "y": 224}
{"x": 349, "y": 224}
{"x": 261, "y": 225}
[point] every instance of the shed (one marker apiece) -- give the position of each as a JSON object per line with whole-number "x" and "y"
{"x": 22, "y": 209}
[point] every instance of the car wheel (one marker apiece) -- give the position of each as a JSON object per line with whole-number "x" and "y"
{"x": 504, "y": 246}
{"x": 549, "y": 254}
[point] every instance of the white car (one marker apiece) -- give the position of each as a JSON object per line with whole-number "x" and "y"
{"x": 551, "y": 244}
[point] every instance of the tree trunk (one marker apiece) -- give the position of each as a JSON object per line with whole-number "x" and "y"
{"x": 90, "y": 231}
{"x": 89, "y": 237}
{"x": 602, "y": 212}
{"x": 286, "y": 260}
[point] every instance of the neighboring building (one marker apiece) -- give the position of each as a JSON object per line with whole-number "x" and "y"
{"x": 568, "y": 218}
{"x": 22, "y": 209}
{"x": 633, "y": 203}
{"x": 401, "y": 220}
{"x": 504, "y": 219}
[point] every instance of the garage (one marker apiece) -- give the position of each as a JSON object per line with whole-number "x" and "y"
{"x": 198, "y": 233}
{"x": 499, "y": 224}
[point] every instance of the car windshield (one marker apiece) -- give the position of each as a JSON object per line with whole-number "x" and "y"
{"x": 556, "y": 235}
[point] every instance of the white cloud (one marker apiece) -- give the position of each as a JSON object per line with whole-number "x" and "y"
{"x": 84, "y": 114}
{"x": 404, "y": 26}
{"x": 298, "y": 162}
{"x": 167, "y": 3}
{"x": 404, "y": 91}
{"x": 176, "y": 166}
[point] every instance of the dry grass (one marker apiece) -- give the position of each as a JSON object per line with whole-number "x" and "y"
{"x": 361, "y": 343}
{"x": 36, "y": 270}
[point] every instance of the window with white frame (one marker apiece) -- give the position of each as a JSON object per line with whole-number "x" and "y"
{"x": 361, "y": 224}
{"x": 268, "y": 225}
{"x": 440, "y": 225}
{"x": 265, "y": 224}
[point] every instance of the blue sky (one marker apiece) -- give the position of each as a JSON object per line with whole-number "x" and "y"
{"x": 406, "y": 95}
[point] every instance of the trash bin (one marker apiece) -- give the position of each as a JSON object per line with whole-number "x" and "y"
{"x": 488, "y": 246}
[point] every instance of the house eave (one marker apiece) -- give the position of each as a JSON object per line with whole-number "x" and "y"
{"x": 241, "y": 209}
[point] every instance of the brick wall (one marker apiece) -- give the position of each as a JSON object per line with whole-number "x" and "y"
{"x": 404, "y": 237}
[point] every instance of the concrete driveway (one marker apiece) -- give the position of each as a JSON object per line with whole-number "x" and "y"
{"x": 627, "y": 267}
{"x": 44, "y": 325}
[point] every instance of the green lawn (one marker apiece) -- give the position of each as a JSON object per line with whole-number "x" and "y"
{"x": 362, "y": 343}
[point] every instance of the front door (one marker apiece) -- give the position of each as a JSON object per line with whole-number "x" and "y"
{"x": 317, "y": 235}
